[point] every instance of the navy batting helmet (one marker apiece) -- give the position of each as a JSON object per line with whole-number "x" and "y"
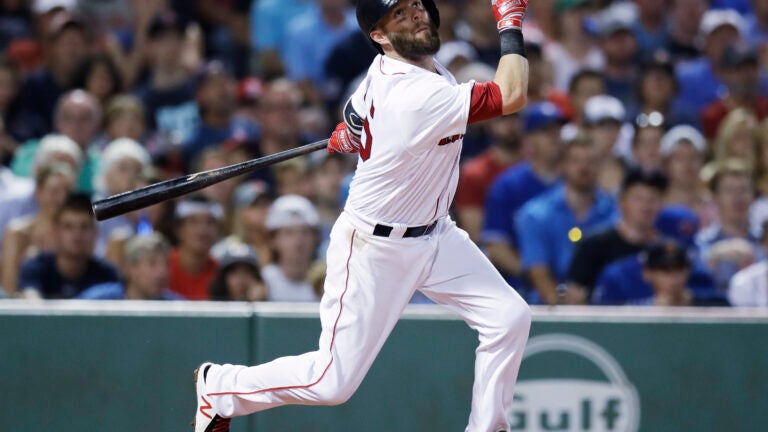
{"x": 370, "y": 12}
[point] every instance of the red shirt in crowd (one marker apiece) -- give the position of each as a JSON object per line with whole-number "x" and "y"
{"x": 477, "y": 175}
{"x": 193, "y": 286}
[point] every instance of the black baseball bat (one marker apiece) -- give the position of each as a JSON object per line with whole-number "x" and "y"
{"x": 127, "y": 202}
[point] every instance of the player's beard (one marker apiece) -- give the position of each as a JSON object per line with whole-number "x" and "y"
{"x": 415, "y": 46}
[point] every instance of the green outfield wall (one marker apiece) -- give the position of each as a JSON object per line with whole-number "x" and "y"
{"x": 127, "y": 366}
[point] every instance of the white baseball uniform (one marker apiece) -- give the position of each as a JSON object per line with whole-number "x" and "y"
{"x": 406, "y": 177}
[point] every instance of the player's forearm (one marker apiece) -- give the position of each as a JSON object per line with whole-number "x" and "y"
{"x": 512, "y": 79}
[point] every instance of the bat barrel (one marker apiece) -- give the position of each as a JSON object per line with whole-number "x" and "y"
{"x": 127, "y": 202}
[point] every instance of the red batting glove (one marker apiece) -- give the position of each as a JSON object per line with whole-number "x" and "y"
{"x": 343, "y": 141}
{"x": 509, "y": 13}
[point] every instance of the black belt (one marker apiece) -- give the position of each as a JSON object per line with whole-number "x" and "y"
{"x": 417, "y": 231}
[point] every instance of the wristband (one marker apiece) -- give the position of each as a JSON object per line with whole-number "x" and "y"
{"x": 512, "y": 42}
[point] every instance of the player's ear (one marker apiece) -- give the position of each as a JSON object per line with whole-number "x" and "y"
{"x": 379, "y": 37}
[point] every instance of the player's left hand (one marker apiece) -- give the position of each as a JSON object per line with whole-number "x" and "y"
{"x": 343, "y": 141}
{"x": 509, "y": 13}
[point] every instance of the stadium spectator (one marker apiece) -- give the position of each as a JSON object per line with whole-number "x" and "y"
{"x": 657, "y": 88}
{"x": 729, "y": 245}
{"x": 269, "y": 27}
{"x": 749, "y": 286}
{"x": 77, "y": 117}
{"x": 251, "y": 203}
{"x": 293, "y": 223}
{"x": 662, "y": 275}
{"x": 216, "y": 100}
{"x": 478, "y": 173}
{"x": 99, "y": 76}
{"x": 227, "y": 36}
{"x": 124, "y": 118}
{"x": 572, "y": 49}
{"x": 67, "y": 45}
{"x": 550, "y": 225}
{"x": 737, "y": 137}
{"x": 701, "y": 79}
{"x": 541, "y": 87}
{"x": 640, "y": 199}
{"x": 169, "y": 93}
{"x": 12, "y": 124}
{"x": 603, "y": 120}
{"x": 122, "y": 164}
{"x": 221, "y": 193}
{"x": 19, "y": 199}
{"x": 326, "y": 174}
{"x": 304, "y": 57}
{"x": 684, "y": 20}
{"x": 741, "y": 76}
{"x": 584, "y": 84}
{"x": 651, "y": 28}
{"x": 27, "y": 236}
{"x": 145, "y": 273}
{"x": 279, "y": 115}
{"x": 620, "y": 47}
{"x": 682, "y": 152}
{"x": 238, "y": 277}
{"x": 192, "y": 268}
{"x": 349, "y": 58}
{"x": 71, "y": 268}
{"x": 517, "y": 185}
{"x": 646, "y": 142}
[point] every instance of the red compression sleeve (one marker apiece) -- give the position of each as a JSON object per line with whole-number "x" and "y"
{"x": 486, "y": 102}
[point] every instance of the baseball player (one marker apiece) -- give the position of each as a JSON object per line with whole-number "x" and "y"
{"x": 406, "y": 121}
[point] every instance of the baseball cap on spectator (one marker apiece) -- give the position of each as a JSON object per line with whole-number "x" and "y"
{"x": 713, "y": 19}
{"x": 45, "y": 6}
{"x": 251, "y": 192}
{"x": 679, "y": 133}
{"x": 237, "y": 253}
{"x": 603, "y": 108}
{"x": 453, "y": 50}
{"x": 291, "y": 210}
{"x": 165, "y": 22}
{"x": 734, "y": 56}
{"x": 542, "y": 115}
{"x": 56, "y": 147}
{"x": 210, "y": 69}
{"x": 197, "y": 206}
{"x": 616, "y": 18}
{"x": 665, "y": 255}
{"x": 141, "y": 246}
{"x": 65, "y": 21}
{"x": 678, "y": 223}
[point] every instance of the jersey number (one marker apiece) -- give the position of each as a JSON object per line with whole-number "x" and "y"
{"x": 365, "y": 152}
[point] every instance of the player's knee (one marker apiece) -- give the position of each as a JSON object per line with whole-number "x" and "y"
{"x": 514, "y": 316}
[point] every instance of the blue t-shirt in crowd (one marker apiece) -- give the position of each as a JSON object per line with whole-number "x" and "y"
{"x": 173, "y": 112}
{"x": 698, "y": 84}
{"x": 116, "y": 291}
{"x": 305, "y": 57}
{"x": 508, "y": 193}
{"x": 269, "y": 22}
{"x": 622, "y": 283}
{"x": 547, "y": 228}
{"x": 41, "y": 274}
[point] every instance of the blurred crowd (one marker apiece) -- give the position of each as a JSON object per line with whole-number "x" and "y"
{"x": 636, "y": 175}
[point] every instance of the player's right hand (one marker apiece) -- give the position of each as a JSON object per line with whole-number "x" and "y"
{"x": 509, "y": 13}
{"x": 343, "y": 141}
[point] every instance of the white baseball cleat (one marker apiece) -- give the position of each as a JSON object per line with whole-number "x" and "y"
{"x": 206, "y": 420}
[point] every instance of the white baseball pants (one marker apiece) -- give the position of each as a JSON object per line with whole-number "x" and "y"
{"x": 369, "y": 282}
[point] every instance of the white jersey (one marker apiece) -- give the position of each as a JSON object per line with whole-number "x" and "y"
{"x": 412, "y": 135}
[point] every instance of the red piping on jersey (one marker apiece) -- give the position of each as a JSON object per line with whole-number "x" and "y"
{"x": 330, "y": 349}
{"x": 381, "y": 68}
